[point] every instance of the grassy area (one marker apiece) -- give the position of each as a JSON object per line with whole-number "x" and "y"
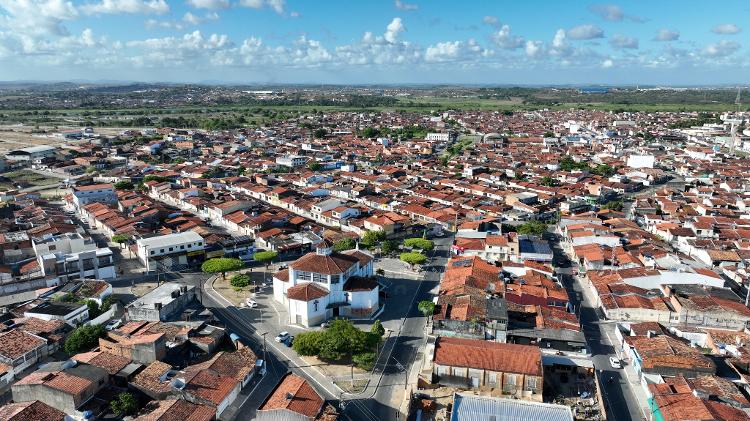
{"x": 23, "y": 179}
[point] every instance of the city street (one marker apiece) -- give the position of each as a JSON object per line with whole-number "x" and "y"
{"x": 620, "y": 394}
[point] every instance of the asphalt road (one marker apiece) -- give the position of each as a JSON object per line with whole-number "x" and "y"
{"x": 619, "y": 399}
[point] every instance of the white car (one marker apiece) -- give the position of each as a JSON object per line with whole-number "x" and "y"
{"x": 615, "y": 362}
{"x": 281, "y": 337}
{"x": 251, "y": 303}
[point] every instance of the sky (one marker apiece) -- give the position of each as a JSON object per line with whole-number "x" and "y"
{"x": 531, "y": 42}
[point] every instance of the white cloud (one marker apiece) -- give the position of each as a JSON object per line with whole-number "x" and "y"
{"x": 722, "y": 48}
{"x": 491, "y": 20}
{"x": 443, "y": 51}
{"x": 534, "y": 48}
{"x": 608, "y": 63}
{"x": 608, "y": 12}
{"x": 393, "y": 29}
{"x": 583, "y": 32}
{"x": 667, "y": 35}
{"x": 294, "y": 14}
{"x": 209, "y": 4}
{"x": 35, "y": 18}
{"x": 400, "y": 5}
{"x": 622, "y": 41}
{"x": 277, "y": 6}
{"x": 505, "y": 40}
{"x": 726, "y": 29}
{"x": 145, "y": 7}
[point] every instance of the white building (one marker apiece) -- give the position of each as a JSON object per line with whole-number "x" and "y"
{"x": 72, "y": 256}
{"x": 291, "y": 161}
{"x": 31, "y": 154}
{"x": 438, "y": 137}
{"x": 323, "y": 285}
{"x": 100, "y": 193}
{"x": 641, "y": 161}
{"x": 171, "y": 248}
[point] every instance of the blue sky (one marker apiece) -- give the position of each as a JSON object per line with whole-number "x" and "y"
{"x": 377, "y": 41}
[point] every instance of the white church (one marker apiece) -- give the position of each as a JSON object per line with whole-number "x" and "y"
{"x": 325, "y": 284}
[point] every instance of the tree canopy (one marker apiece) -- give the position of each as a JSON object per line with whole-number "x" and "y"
{"x": 221, "y": 265}
{"x": 83, "y": 339}
{"x": 124, "y": 404}
{"x": 340, "y": 340}
{"x": 532, "y": 228}
{"x": 239, "y": 280}
{"x": 426, "y": 307}
{"x": 413, "y": 258}
{"x": 419, "y": 243}
{"x": 344, "y": 244}
{"x": 265, "y": 257}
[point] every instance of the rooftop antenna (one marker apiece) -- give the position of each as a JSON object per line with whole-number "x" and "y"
{"x": 737, "y": 100}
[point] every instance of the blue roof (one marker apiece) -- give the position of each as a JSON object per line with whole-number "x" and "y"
{"x": 534, "y": 246}
{"x": 473, "y": 408}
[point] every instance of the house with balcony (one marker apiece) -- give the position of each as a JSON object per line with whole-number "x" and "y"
{"x": 325, "y": 284}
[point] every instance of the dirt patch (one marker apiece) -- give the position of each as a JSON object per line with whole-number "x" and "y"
{"x": 353, "y": 387}
{"x": 24, "y": 179}
{"x": 341, "y": 370}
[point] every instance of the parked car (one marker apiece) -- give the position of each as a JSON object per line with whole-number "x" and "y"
{"x": 615, "y": 362}
{"x": 281, "y": 337}
{"x": 289, "y": 341}
{"x": 251, "y": 303}
{"x": 113, "y": 324}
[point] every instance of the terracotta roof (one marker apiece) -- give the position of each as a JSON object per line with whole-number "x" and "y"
{"x": 110, "y": 362}
{"x": 307, "y": 291}
{"x": 30, "y": 411}
{"x": 495, "y": 356}
{"x": 333, "y": 264}
{"x": 294, "y": 394}
{"x": 210, "y": 385}
{"x": 177, "y": 410}
{"x": 16, "y": 343}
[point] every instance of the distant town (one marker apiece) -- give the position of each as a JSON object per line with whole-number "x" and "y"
{"x": 379, "y": 253}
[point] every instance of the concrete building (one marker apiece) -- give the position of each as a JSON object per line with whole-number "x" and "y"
{"x": 99, "y": 193}
{"x": 73, "y": 256}
{"x": 165, "y": 301}
{"x": 72, "y": 314}
{"x": 20, "y": 350}
{"x": 170, "y": 249}
{"x": 322, "y": 285}
{"x": 31, "y": 154}
{"x": 291, "y": 161}
{"x": 66, "y": 386}
{"x": 438, "y": 137}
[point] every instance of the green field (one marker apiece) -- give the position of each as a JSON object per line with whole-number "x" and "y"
{"x": 24, "y": 178}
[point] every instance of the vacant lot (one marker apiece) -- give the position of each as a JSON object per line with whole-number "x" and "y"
{"x": 23, "y": 179}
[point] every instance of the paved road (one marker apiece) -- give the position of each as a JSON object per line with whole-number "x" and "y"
{"x": 619, "y": 399}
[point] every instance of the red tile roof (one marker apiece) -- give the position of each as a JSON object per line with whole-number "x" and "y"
{"x": 333, "y": 264}
{"x": 304, "y": 399}
{"x": 494, "y": 356}
{"x": 30, "y": 411}
{"x": 307, "y": 291}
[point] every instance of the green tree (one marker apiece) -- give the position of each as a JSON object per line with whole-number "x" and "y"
{"x": 308, "y": 343}
{"x": 124, "y": 185}
{"x": 124, "y": 404}
{"x": 615, "y": 205}
{"x": 377, "y": 328}
{"x": 419, "y": 243}
{"x": 372, "y": 237}
{"x": 344, "y": 244}
{"x": 388, "y": 246}
{"x": 365, "y": 360}
{"x": 413, "y": 258}
{"x": 265, "y": 257}
{"x": 221, "y": 265}
{"x": 94, "y": 310}
{"x": 548, "y": 181}
{"x": 239, "y": 280}
{"x": 153, "y": 177}
{"x": 532, "y": 228}
{"x": 83, "y": 339}
{"x": 314, "y": 166}
{"x": 120, "y": 239}
{"x": 320, "y": 133}
{"x": 426, "y": 307}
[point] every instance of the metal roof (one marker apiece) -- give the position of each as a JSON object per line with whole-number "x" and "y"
{"x": 480, "y": 408}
